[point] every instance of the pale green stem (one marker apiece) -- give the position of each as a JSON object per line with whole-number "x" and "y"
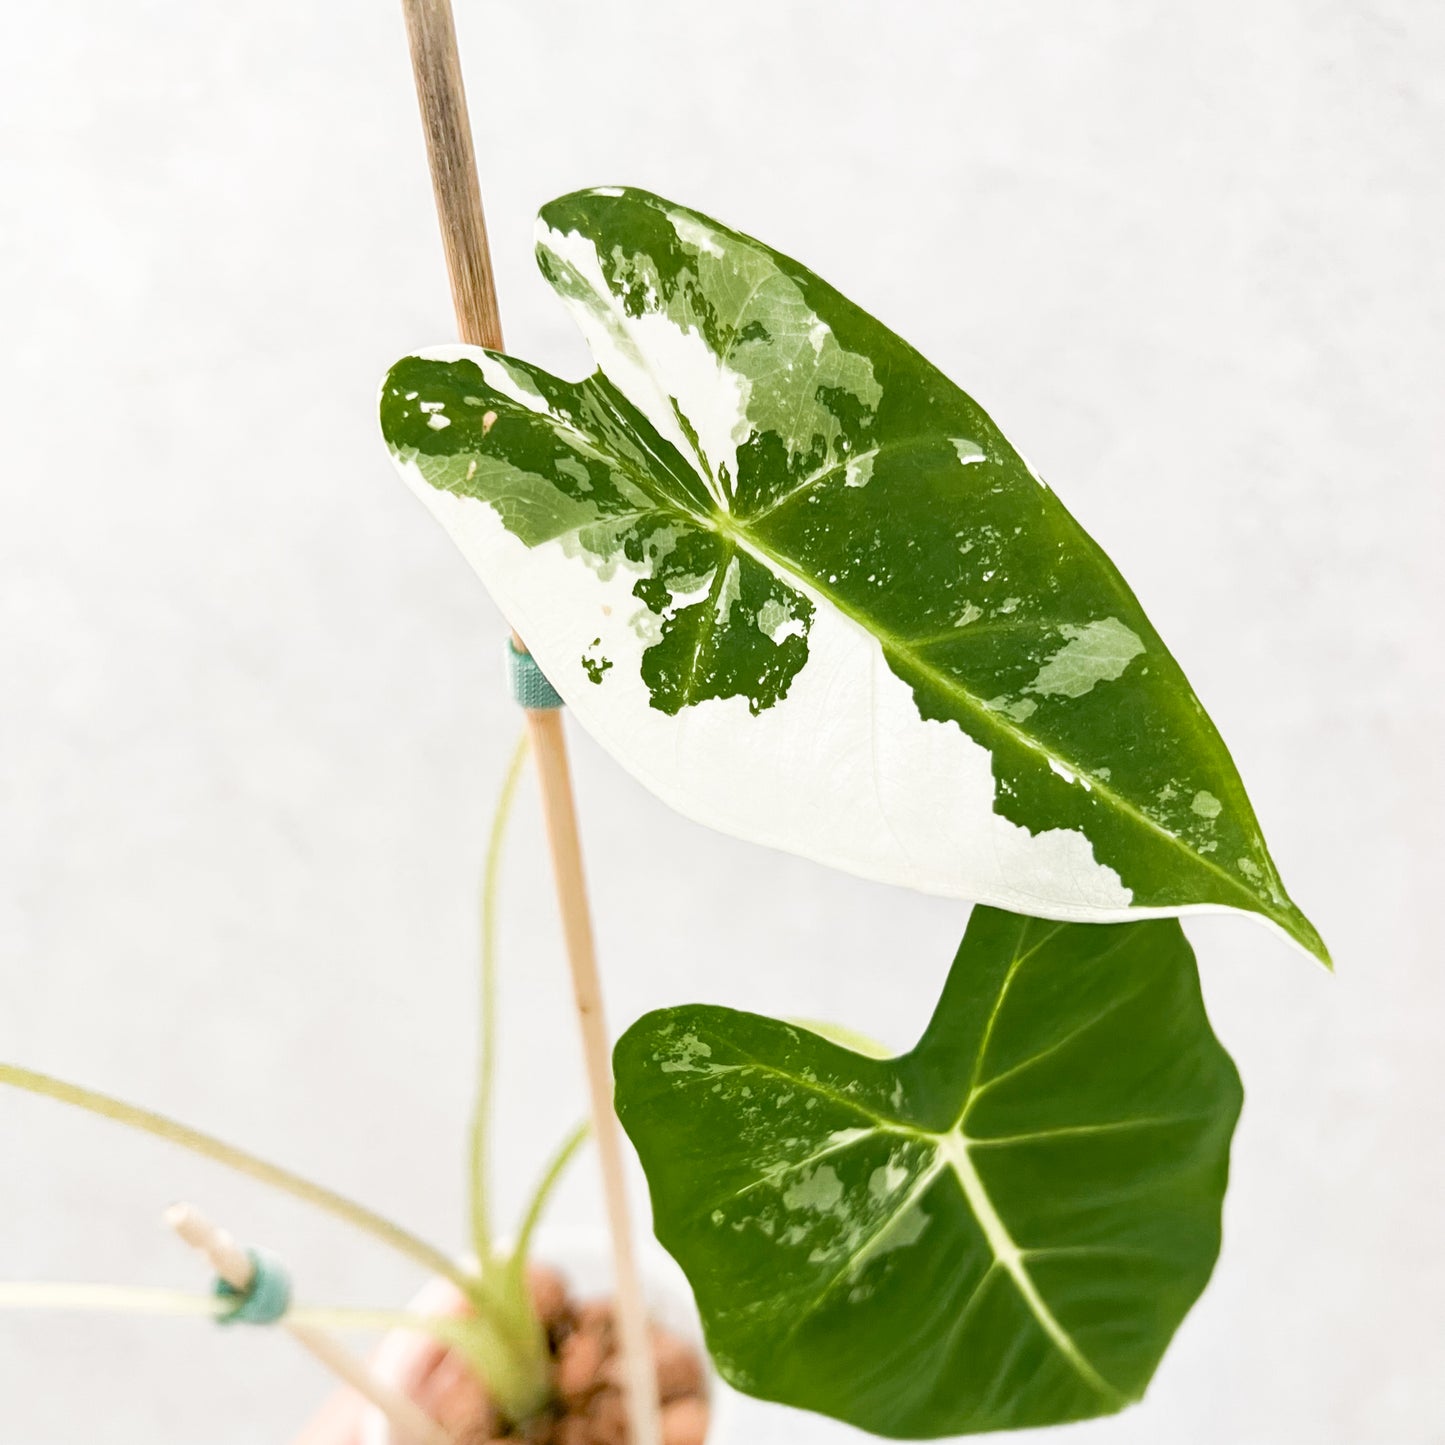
{"x": 482, "y": 1237}
{"x": 505, "y": 1353}
{"x": 126, "y": 1299}
{"x": 553, "y": 1172}
{"x": 358, "y": 1215}
{"x": 108, "y": 1299}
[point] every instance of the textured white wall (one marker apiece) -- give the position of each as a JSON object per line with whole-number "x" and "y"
{"x": 250, "y": 716}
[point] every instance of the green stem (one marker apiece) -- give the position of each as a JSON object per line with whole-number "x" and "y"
{"x": 132, "y": 1300}
{"x": 482, "y": 1237}
{"x": 358, "y": 1215}
{"x": 553, "y": 1172}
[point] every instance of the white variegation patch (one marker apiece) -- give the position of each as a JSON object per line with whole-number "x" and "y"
{"x": 638, "y": 351}
{"x": 1094, "y": 653}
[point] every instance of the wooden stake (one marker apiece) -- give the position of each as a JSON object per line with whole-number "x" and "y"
{"x": 549, "y": 751}
{"x": 437, "y": 68}
{"x": 232, "y": 1264}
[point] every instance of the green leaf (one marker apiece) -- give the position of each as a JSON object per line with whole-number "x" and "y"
{"x": 800, "y": 584}
{"x": 1002, "y": 1228}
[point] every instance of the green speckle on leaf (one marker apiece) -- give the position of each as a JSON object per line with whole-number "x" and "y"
{"x": 593, "y": 663}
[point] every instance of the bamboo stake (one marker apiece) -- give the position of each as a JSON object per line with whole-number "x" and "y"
{"x": 440, "y": 92}
{"x": 549, "y": 749}
{"x": 232, "y": 1264}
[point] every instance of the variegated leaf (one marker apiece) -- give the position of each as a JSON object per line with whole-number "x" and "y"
{"x": 798, "y": 582}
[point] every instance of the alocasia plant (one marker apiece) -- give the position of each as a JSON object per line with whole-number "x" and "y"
{"x": 797, "y": 582}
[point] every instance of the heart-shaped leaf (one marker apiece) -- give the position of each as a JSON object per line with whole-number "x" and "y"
{"x": 800, "y": 584}
{"x": 1002, "y": 1228}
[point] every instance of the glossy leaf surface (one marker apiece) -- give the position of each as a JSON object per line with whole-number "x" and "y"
{"x": 1002, "y": 1228}
{"x": 799, "y": 583}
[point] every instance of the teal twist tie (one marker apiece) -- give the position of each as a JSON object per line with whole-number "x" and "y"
{"x": 265, "y": 1300}
{"x": 529, "y": 683}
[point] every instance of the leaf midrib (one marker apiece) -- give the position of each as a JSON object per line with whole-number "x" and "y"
{"x": 954, "y": 1150}
{"x": 951, "y": 1151}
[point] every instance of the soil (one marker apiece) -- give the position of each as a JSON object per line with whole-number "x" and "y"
{"x": 589, "y": 1409}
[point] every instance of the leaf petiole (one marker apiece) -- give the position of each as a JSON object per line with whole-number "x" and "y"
{"x": 479, "y": 1194}
{"x": 146, "y": 1121}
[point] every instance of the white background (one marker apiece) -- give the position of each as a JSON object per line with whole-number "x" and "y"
{"x": 251, "y": 720}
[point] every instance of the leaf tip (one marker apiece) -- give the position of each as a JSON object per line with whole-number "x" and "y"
{"x": 1302, "y": 932}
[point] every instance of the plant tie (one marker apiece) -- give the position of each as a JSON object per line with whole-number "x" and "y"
{"x": 529, "y": 683}
{"x": 264, "y": 1300}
